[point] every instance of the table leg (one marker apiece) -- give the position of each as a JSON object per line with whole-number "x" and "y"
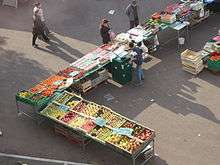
{"x": 18, "y": 108}
{"x": 133, "y": 161}
{"x": 178, "y": 36}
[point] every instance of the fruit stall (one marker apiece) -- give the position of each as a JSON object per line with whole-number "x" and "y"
{"x": 82, "y": 120}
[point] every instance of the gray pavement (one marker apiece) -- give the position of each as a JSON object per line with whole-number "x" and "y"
{"x": 185, "y": 111}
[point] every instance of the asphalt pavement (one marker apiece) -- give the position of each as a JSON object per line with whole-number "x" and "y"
{"x": 182, "y": 108}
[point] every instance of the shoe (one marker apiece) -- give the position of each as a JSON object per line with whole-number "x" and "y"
{"x": 35, "y": 45}
{"x": 142, "y": 78}
{"x": 139, "y": 84}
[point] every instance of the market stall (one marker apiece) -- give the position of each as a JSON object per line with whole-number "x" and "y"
{"x": 84, "y": 121}
{"x": 194, "y": 62}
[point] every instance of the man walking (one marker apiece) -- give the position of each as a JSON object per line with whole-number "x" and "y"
{"x": 38, "y": 29}
{"x": 132, "y": 13}
{"x": 37, "y": 6}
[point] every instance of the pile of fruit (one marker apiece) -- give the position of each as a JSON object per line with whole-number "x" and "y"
{"x": 137, "y": 130}
{"x": 37, "y": 97}
{"x": 80, "y": 106}
{"x": 25, "y": 94}
{"x": 88, "y": 126}
{"x": 53, "y": 111}
{"x": 116, "y": 121}
{"x": 71, "y": 72}
{"x": 73, "y": 101}
{"x": 102, "y": 133}
{"x": 63, "y": 98}
{"x": 48, "y": 86}
{"x": 128, "y": 124}
{"x": 68, "y": 117}
{"x": 128, "y": 144}
{"x": 91, "y": 109}
{"x": 145, "y": 134}
{"x": 215, "y": 56}
{"x": 79, "y": 121}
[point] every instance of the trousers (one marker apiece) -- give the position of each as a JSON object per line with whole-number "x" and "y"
{"x": 139, "y": 73}
{"x": 134, "y": 23}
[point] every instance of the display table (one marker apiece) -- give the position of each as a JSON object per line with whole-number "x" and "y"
{"x": 83, "y": 121}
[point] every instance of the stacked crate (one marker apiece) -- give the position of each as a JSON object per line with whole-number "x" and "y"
{"x": 192, "y": 62}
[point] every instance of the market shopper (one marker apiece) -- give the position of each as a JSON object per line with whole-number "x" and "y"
{"x": 38, "y": 29}
{"x": 138, "y": 60}
{"x": 37, "y": 6}
{"x": 105, "y": 31}
{"x": 132, "y": 13}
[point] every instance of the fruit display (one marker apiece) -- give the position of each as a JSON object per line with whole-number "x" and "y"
{"x": 73, "y": 101}
{"x": 134, "y": 145}
{"x": 63, "y": 98}
{"x": 91, "y": 109}
{"x": 137, "y": 129}
{"x": 88, "y": 126}
{"x": 124, "y": 142}
{"x": 105, "y": 114}
{"x": 49, "y": 86}
{"x": 103, "y": 133}
{"x": 111, "y": 118}
{"x": 116, "y": 121}
{"x": 78, "y": 121}
{"x": 53, "y": 111}
{"x": 25, "y": 94}
{"x": 71, "y": 72}
{"x": 145, "y": 134}
{"x": 115, "y": 139}
{"x": 80, "y": 106}
{"x": 37, "y": 97}
{"x": 128, "y": 124}
{"x": 68, "y": 117}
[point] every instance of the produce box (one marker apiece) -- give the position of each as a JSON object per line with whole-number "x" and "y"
{"x": 53, "y": 111}
{"x": 91, "y": 109}
{"x": 24, "y": 96}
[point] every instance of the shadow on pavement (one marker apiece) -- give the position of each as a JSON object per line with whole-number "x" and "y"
{"x": 56, "y": 47}
{"x": 17, "y": 72}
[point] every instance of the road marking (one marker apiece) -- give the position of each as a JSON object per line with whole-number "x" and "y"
{"x": 41, "y": 159}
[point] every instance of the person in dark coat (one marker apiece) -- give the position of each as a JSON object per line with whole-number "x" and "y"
{"x": 105, "y": 31}
{"x": 132, "y": 13}
{"x": 38, "y": 29}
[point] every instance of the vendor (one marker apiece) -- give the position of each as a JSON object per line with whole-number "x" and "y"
{"x": 138, "y": 60}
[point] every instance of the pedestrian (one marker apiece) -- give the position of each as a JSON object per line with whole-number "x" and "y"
{"x": 38, "y": 29}
{"x": 138, "y": 60}
{"x": 105, "y": 31}
{"x": 132, "y": 13}
{"x": 37, "y": 6}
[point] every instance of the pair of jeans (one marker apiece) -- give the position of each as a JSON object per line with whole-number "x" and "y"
{"x": 139, "y": 73}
